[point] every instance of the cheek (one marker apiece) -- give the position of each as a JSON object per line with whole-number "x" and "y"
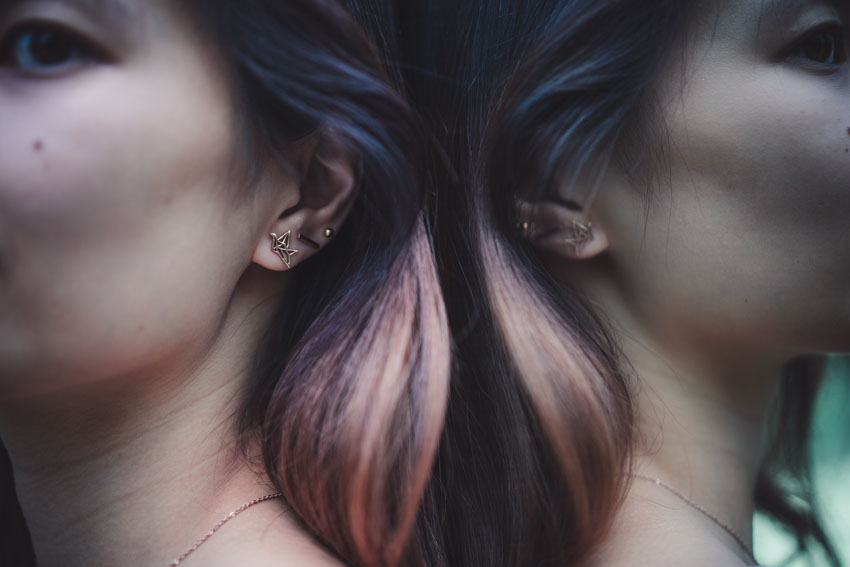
{"x": 778, "y": 145}
{"x": 753, "y": 242}
{"x": 111, "y": 208}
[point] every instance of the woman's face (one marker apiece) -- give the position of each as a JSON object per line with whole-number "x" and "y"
{"x": 748, "y": 249}
{"x": 120, "y": 242}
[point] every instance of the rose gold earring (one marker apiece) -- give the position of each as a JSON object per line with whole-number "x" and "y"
{"x": 329, "y": 232}
{"x": 581, "y": 235}
{"x": 308, "y": 241}
{"x": 280, "y": 246}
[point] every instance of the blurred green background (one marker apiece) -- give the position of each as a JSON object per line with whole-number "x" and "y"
{"x": 831, "y": 476}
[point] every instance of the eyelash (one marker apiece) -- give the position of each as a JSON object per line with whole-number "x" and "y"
{"x": 74, "y": 50}
{"x": 837, "y": 43}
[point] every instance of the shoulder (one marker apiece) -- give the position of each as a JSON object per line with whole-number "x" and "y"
{"x": 268, "y": 556}
{"x": 274, "y": 560}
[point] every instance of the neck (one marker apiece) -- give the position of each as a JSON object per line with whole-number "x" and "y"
{"x": 134, "y": 470}
{"x": 700, "y": 433}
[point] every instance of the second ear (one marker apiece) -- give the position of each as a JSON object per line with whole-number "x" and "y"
{"x": 558, "y": 229}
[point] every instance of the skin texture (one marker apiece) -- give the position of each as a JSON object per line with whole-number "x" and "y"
{"x": 135, "y": 281}
{"x": 738, "y": 262}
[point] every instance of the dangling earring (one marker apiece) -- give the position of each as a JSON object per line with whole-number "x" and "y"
{"x": 581, "y": 235}
{"x": 280, "y": 245}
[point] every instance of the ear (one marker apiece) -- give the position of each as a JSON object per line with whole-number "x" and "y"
{"x": 561, "y": 228}
{"x": 326, "y": 190}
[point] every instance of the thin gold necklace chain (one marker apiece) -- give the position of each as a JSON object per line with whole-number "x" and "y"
{"x": 658, "y": 482}
{"x": 221, "y": 522}
{"x": 725, "y": 527}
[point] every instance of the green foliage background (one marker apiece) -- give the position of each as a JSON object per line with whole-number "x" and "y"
{"x": 831, "y": 476}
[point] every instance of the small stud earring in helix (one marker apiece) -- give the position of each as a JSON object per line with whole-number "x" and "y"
{"x": 281, "y": 246}
{"x": 329, "y": 232}
{"x": 580, "y": 235}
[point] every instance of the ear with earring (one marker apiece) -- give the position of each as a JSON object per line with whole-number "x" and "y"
{"x": 550, "y": 225}
{"x": 306, "y": 216}
{"x": 577, "y": 235}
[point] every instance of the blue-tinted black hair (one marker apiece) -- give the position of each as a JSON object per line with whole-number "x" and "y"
{"x": 523, "y": 96}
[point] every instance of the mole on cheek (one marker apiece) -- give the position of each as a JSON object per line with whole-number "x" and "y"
{"x": 38, "y": 145}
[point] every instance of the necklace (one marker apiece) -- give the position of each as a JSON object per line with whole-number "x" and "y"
{"x": 221, "y": 522}
{"x": 725, "y": 527}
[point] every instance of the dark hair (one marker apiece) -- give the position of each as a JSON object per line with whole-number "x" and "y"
{"x": 350, "y": 389}
{"x": 525, "y": 95}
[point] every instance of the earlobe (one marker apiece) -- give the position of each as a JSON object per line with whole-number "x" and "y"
{"x": 560, "y": 229}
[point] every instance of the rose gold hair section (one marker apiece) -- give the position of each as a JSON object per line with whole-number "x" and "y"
{"x": 373, "y": 406}
{"x": 572, "y": 388}
{"x": 406, "y": 368}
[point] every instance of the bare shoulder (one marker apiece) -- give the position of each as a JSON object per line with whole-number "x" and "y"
{"x": 273, "y": 556}
{"x": 656, "y": 529}
{"x": 265, "y": 557}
